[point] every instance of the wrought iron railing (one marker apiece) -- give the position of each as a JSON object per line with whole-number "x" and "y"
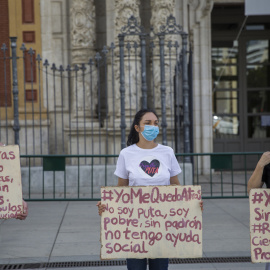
{"x": 88, "y": 107}
{"x": 58, "y": 179}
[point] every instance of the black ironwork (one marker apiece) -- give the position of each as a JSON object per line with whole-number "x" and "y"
{"x": 23, "y": 49}
{"x": 38, "y": 59}
{"x": 5, "y": 49}
{"x": 61, "y": 70}
{"x": 46, "y": 64}
{"x": 78, "y": 111}
{"x": 171, "y": 28}
{"x": 122, "y": 90}
{"x": 16, "y": 126}
{"x": 185, "y": 98}
{"x": 132, "y": 28}
{"x": 143, "y": 71}
{"x": 163, "y": 88}
{"x": 113, "y": 93}
{"x": 178, "y": 106}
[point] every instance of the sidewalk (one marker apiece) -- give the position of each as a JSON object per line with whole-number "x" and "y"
{"x": 70, "y": 231}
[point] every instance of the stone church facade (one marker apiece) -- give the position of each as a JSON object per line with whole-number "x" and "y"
{"x": 70, "y": 32}
{"x": 79, "y": 28}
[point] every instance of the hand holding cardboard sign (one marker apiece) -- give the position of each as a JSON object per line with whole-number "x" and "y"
{"x": 23, "y": 215}
{"x": 101, "y": 207}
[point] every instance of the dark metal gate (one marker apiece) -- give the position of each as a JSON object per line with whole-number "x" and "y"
{"x": 78, "y": 109}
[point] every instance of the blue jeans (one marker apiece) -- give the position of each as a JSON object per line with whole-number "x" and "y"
{"x": 141, "y": 264}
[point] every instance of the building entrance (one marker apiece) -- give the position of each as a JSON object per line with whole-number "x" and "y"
{"x": 241, "y": 83}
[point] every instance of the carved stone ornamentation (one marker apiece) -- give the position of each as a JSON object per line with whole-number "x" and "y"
{"x": 161, "y": 10}
{"x": 194, "y": 4}
{"x": 123, "y": 11}
{"x": 208, "y": 7}
{"x": 201, "y": 8}
{"x": 82, "y": 14}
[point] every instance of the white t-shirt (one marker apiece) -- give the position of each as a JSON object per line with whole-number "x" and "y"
{"x": 147, "y": 167}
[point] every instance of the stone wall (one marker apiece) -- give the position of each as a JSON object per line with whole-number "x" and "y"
{"x": 73, "y": 31}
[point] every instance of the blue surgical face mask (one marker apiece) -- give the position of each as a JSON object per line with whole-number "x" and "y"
{"x": 150, "y": 132}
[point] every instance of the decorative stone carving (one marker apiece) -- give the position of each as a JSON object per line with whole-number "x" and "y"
{"x": 83, "y": 21}
{"x": 208, "y": 5}
{"x": 194, "y": 4}
{"x": 123, "y": 11}
{"x": 83, "y": 38}
{"x": 161, "y": 10}
{"x": 201, "y": 8}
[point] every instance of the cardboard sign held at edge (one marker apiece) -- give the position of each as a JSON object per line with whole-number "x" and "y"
{"x": 10, "y": 182}
{"x": 151, "y": 222}
{"x": 259, "y": 203}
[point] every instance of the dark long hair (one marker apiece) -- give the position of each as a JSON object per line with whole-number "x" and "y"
{"x": 133, "y": 136}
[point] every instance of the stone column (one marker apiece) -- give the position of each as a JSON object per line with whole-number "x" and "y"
{"x": 118, "y": 13}
{"x": 54, "y": 17}
{"x": 83, "y": 38}
{"x": 161, "y": 10}
{"x": 83, "y": 25}
{"x": 200, "y": 31}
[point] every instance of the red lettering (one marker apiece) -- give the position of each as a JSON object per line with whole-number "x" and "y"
{"x": 121, "y": 221}
{"x": 126, "y": 232}
{"x": 4, "y": 188}
{"x": 267, "y": 198}
{"x": 117, "y": 249}
{"x": 137, "y": 248}
{"x": 135, "y": 235}
{"x": 12, "y": 156}
{"x": 123, "y": 248}
{"x": 183, "y": 237}
{"x": 118, "y": 195}
{"x": 110, "y": 249}
{"x": 265, "y": 227}
{"x": 138, "y": 194}
{"x": 127, "y": 198}
{"x": 4, "y": 156}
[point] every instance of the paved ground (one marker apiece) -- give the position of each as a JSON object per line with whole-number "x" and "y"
{"x": 69, "y": 231}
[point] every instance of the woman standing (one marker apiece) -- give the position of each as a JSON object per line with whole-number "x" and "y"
{"x": 260, "y": 176}
{"x": 146, "y": 163}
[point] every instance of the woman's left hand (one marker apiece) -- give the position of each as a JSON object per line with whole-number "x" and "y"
{"x": 24, "y": 214}
{"x": 201, "y": 205}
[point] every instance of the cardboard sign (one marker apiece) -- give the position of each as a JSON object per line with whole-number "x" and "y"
{"x": 151, "y": 222}
{"x": 10, "y": 182}
{"x": 259, "y": 202}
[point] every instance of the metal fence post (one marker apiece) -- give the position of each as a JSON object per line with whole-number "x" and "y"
{"x": 177, "y": 108}
{"x": 190, "y": 79}
{"x": 143, "y": 72}
{"x": 163, "y": 88}
{"x": 185, "y": 98}
{"x": 122, "y": 90}
{"x": 16, "y": 126}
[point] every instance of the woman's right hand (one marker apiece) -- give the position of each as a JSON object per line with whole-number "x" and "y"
{"x": 264, "y": 160}
{"x": 101, "y": 208}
